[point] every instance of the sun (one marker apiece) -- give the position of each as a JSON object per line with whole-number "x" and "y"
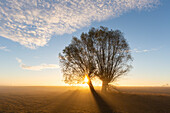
{"x": 85, "y": 82}
{"x": 86, "y": 79}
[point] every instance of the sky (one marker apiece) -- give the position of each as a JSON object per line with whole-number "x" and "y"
{"x": 34, "y": 32}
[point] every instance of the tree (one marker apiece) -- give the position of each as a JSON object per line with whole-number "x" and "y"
{"x": 100, "y": 52}
{"x": 77, "y": 61}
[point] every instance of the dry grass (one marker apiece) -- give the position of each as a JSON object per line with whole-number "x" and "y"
{"x": 81, "y": 100}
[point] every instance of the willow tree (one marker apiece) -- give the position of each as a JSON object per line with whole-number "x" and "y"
{"x": 78, "y": 61}
{"x": 100, "y": 52}
{"x": 112, "y": 54}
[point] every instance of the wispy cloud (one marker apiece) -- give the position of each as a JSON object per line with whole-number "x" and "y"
{"x": 37, "y": 67}
{"x": 32, "y": 22}
{"x": 4, "y": 48}
{"x": 143, "y": 51}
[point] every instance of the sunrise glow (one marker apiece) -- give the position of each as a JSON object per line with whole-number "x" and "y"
{"x": 33, "y": 34}
{"x": 86, "y": 79}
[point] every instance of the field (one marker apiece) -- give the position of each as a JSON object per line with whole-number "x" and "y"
{"x": 81, "y": 100}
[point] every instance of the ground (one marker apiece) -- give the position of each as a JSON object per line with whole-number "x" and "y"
{"x": 82, "y": 100}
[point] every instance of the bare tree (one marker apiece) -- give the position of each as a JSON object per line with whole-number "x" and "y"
{"x": 100, "y": 52}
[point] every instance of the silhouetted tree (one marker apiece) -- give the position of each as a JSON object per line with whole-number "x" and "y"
{"x": 77, "y": 61}
{"x": 100, "y": 52}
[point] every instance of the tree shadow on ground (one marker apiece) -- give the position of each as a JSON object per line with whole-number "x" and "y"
{"x": 101, "y": 103}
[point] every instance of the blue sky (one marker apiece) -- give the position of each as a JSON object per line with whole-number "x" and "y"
{"x": 32, "y": 34}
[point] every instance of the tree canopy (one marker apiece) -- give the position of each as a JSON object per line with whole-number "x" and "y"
{"x": 100, "y": 52}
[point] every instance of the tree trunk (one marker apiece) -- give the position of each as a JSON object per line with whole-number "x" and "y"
{"x": 91, "y": 85}
{"x": 104, "y": 86}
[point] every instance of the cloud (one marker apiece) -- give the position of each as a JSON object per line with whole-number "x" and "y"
{"x": 143, "y": 51}
{"x": 33, "y": 22}
{"x": 38, "y": 67}
{"x": 4, "y": 48}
